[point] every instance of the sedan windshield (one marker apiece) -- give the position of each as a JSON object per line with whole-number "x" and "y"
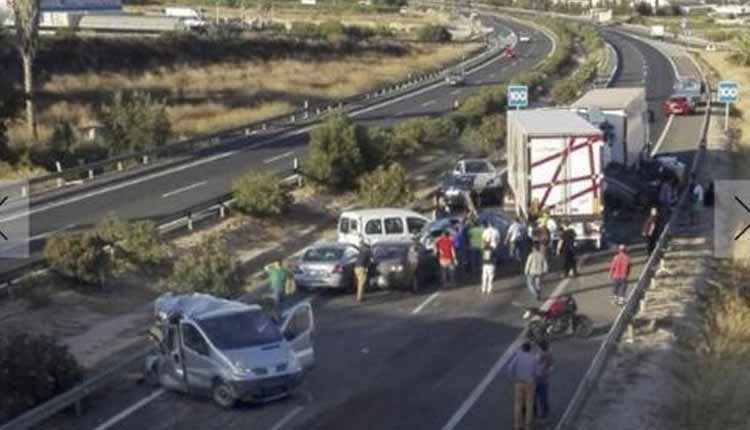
{"x": 388, "y": 252}
{"x": 240, "y": 330}
{"x": 477, "y": 167}
{"x": 323, "y": 254}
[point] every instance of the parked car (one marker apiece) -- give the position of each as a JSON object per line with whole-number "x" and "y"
{"x": 455, "y": 79}
{"x": 227, "y": 349}
{"x": 432, "y": 231}
{"x": 392, "y": 267}
{"x": 485, "y": 179}
{"x": 326, "y": 265}
{"x": 455, "y": 189}
{"x": 375, "y": 225}
{"x": 678, "y": 105}
{"x": 524, "y": 38}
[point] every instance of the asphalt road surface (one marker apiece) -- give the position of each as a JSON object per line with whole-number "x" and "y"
{"x": 163, "y": 194}
{"x": 403, "y": 361}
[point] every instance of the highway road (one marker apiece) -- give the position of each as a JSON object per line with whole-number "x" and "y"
{"x": 403, "y": 361}
{"x": 163, "y": 194}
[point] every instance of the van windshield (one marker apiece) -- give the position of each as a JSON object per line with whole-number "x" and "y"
{"x": 240, "y": 330}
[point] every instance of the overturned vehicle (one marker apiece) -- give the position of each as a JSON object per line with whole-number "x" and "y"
{"x": 228, "y": 350}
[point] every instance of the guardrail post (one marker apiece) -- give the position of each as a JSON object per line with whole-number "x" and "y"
{"x": 91, "y": 173}
{"x": 58, "y": 166}
{"x": 24, "y": 191}
{"x": 455, "y": 104}
{"x": 317, "y": 111}
{"x": 307, "y": 105}
{"x": 190, "y": 221}
{"x": 222, "y": 210}
{"x": 119, "y": 166}
{"x": 341, "y": 105}
{"x": 145, "y": 159}
{"x": 330, "y": 108}
{"x": 263, "y": 127}
{"x": 292, "y": 119}
{"x": 630, "y": 334}
{"x": 248, "y": 132}
{"x": 307, "y": 115}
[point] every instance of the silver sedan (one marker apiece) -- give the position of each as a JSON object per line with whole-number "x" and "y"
{"x": 326, "y": 265}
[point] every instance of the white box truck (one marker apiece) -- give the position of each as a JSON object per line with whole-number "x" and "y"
{"x": 623, "y": 116}
{"x": 554, "y": 165}
{"x": 657, "y": 31}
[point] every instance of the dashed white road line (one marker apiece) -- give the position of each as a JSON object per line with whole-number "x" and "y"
{"x": 183, "y": 189}
{"x": 132, "y": 408}
{"x": 427, "y": 301}
{"x": 278, "y": 157}
{"x": 287, "y": 418}
{"x": 428, "y": 103}
{"x": 498, "y": 366}
{"x": 456, "y": 92}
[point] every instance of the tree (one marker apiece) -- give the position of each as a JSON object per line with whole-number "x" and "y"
{"x": 11, "y": 101}
{"x": 741, "y": 54}
{"x": 134, "y": 121}
{"x": 385, "y": 187}
{"x": 208, "y": 268}
{"x": 134, "y": 243}
{"x": 334, "y": 157}
{"x": 434, "y": 34}
{"x": 27, "y": 40}
{"x": 644, "y": 9}
{"x": 488, "y": 138}
{"x": 80, "y": 256}
{"x": 261, "y": 194}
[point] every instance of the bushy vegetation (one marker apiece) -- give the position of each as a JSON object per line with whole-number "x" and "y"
{"x": 334, "y": 157}
{"x": 133, "y": 122}
{"x": 741, "y": 55}
{"x": 415, "y": 135}
{"x": 261, "y": 194}
{"x": 433, "y": 33}
{"x": 79, "y": 256}
{"x": 385, "y": 186}
{"x": 134, "y": 244}
{"x": 487, "y": 139}
{"x": 33, "y": 369}
{"x": 208, "y": 268}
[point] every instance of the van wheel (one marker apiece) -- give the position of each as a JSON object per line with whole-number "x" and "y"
{"x": 223, "y": 395}
{"x": 151, "y": 375}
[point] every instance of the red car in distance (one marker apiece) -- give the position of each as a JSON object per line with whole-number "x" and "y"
{"x": 677, "y": 105}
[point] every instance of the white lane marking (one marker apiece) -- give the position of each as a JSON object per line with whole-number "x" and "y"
{"x": 132, "y": 408}
{"x": 50, "y": 233}
{"x": 455, "y": 92}
{"x": 431, "y": 102}
{"x": 501, "y": 362}
{"x": 278, "y": 157}
{"x": 287, "y": 418}
{"x": 427, "y": 301}
{"x": 183, "y": 189}
{"x": 663, "y": 136}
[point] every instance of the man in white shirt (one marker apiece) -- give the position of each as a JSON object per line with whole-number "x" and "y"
{"x": 696, "y": 202}
{"x": 515, "y": 236}
{"x": 491, "y": 236}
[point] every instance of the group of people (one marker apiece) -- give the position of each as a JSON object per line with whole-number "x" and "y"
{"x": 530, "y": 373}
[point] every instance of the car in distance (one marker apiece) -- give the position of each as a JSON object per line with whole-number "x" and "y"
{"x": 394, "y": 268}
{"x": 524, "y": 38}
{"x": 455, "y": 79}
{"x": 678, "y": 105}
{"x": 326, "y": 265}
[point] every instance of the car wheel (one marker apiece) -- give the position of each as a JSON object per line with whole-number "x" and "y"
{"x": 223, "y": 395}
{"x": 583, "y": 326}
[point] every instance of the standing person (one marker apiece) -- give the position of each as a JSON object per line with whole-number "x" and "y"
{"x": 441, "y": 209}
{"x": 491, "y": 235}
{"x": 619, "y": 270}
{"x": 488, "y": 268}
{"x": 553, "y": 230}
{"x": 514, "y": 238}
{"x": 278, "y": 276}
{"x": 545, "y": 366}
{"x": 446, "y": 257}
{"x": 475, "y": 250}
{"x": 696, "y": 203}
{"x": 536, "y": 266}
{"x": 362, "y": 269}
{"x": 459, "y": 245}
{"x": 650, "y": 230}
{"x": 666, "y": 196}
{"x": 522, "y": 370}
{"x": 566, "y": 247}
{"x": 708, "y": 199}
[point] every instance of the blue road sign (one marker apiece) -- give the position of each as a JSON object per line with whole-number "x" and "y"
{"x": 518, "y": 96}
{"x": 728, "y": 92}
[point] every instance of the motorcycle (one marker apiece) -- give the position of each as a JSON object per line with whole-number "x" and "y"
{"x": 558, "y": 319}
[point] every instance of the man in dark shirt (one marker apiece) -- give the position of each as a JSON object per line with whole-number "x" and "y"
{"x": 361, "y": 269}
{"x": 566, "y": 248}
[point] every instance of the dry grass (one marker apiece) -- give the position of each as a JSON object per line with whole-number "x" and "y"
{"x": 204, "y": 99}
{"x": 731, "y": 72}
{"x": 716, "y": 375}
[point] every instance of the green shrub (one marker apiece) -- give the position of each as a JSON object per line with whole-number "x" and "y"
{"x": 306, "y": 29}
{"x": 134, "y": 121}
{"x": 492, "y": 100}
{"x": 334, "y": 157}
{"x": 136, "y": 243}
{"x": 261, "y": 194}
{"x": 385, "y": 187}
{"x": 33, "y": 369}
{"x": 80, "y": 256}
{"x": 434, "y": 34}
{"x": 487, "y": 139}
{"x": 207, "y": 268}
{"x": 412, "y": 136}
{"x": 332, "y": 28}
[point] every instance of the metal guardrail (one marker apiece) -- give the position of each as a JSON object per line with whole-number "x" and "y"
{"x": 307, "y": 115}
{"x": 603, "y": 354}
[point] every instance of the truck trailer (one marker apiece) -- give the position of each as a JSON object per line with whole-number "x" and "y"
{"x": 554, "y": 166}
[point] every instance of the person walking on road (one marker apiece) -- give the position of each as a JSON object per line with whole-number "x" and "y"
{"x": 536, "y": 266}
{"x": 696, "y": 203}
{"x": 514, "y": 238}
{"x": 459, "y": 245}
{"x": 446, "y": 257}
{"x": 522, "y": 370}
{"x": 566, "y": 247}
{"x": 488, "y": 268}
{"x": 278, "y": 277}
{"x": 475, "y": 248}
{"x": 619, "y": 270}
{"x": 650, "y": 230}
{"x": 362, "y": 269}
{"x": 545, "y": 366}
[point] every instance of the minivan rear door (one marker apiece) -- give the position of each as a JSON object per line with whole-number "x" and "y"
{"x": 348, "y": 230}
{"x": 298, "y": 328}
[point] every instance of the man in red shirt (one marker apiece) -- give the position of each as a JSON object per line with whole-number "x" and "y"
{"x": 619, "y": 270}
{"x": 446, "y": 256}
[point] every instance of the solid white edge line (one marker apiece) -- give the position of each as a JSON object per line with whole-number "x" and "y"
{"x": 427, "y": 301}
{"x": 132, "y": 408}
{"x": 428, "y": 103}
{"x": 663, "y": 136}
{"x": 287, "y": 418}
{"x": 183, "y": 189}
{"x": 278, "y": 157}
{"x": 502, "y": 361}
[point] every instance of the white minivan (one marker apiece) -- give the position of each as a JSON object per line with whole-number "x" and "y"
{"x": 375, "y": 225}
